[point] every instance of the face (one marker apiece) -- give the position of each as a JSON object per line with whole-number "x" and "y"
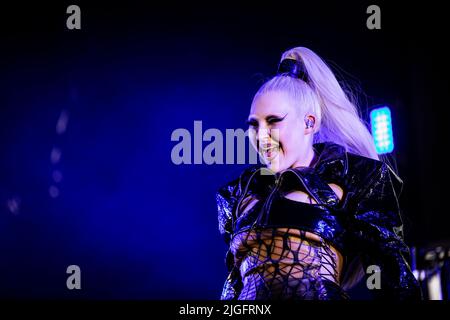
{"x": 277, "y": 130}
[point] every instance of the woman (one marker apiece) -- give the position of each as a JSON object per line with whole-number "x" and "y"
{"x": 323, "y": 209}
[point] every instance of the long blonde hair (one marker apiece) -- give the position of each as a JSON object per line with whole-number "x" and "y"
{"x": 337, "y": 117}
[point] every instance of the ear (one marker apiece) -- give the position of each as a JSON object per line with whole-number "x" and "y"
{"x": 310, "y": 124}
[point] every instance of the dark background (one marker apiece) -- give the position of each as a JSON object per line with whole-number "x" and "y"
{"x": 139, "y": 226}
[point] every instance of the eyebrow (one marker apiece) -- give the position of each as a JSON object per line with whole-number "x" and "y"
{"x": 251, "y": 119}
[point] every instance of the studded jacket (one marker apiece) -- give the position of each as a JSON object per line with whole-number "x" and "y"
{"x": 365, "y": 225}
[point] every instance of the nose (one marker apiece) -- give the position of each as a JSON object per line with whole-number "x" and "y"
{"x": 263, "y": 136}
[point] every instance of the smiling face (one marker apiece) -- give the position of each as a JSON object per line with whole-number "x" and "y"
{"x": 278, "y": 131}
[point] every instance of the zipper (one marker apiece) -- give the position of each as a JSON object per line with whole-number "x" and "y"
{"x": 269, "y": 199}
{"x": 234, "y": 215}
{"x": 268, "y": 202}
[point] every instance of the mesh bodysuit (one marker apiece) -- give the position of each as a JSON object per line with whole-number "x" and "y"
{"x": 281, "y": 262}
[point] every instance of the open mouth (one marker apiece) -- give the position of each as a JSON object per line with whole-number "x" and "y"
{"x": 269, "y": 151}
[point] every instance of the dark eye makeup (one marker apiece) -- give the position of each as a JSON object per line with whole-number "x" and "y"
{"x": 252, "y": 123}
{"x": 269, "y": 119}
{"x": 274, "y": 120}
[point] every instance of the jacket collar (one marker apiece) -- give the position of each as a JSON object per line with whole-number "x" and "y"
{"x": 333, "y": 160}
{"x": 331, "y": 166}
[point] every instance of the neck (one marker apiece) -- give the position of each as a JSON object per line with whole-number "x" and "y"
{"x": 307, "y": 161}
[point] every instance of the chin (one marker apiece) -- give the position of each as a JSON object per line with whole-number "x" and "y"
{"x": 276, "y": 166}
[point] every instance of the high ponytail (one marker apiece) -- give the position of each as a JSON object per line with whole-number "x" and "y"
{"x": 337, "y": 117}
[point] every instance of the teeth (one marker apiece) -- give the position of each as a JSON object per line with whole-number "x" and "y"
{"x": 269, "y": 147}
{"x": 270, "y": 152}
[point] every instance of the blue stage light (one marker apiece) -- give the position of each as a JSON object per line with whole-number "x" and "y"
{"x": 380, "y": 120}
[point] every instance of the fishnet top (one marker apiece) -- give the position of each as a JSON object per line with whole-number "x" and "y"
{"x": 286, "y": 263}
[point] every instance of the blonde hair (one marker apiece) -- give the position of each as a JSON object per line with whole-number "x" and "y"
{"x": 337, "y": 117}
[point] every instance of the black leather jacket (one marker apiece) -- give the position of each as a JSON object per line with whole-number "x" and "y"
{"x": 365, "y": 225}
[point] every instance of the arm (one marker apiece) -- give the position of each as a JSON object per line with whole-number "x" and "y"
{"x": 377, "y": 229}
{"x": 226, "y": 199}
